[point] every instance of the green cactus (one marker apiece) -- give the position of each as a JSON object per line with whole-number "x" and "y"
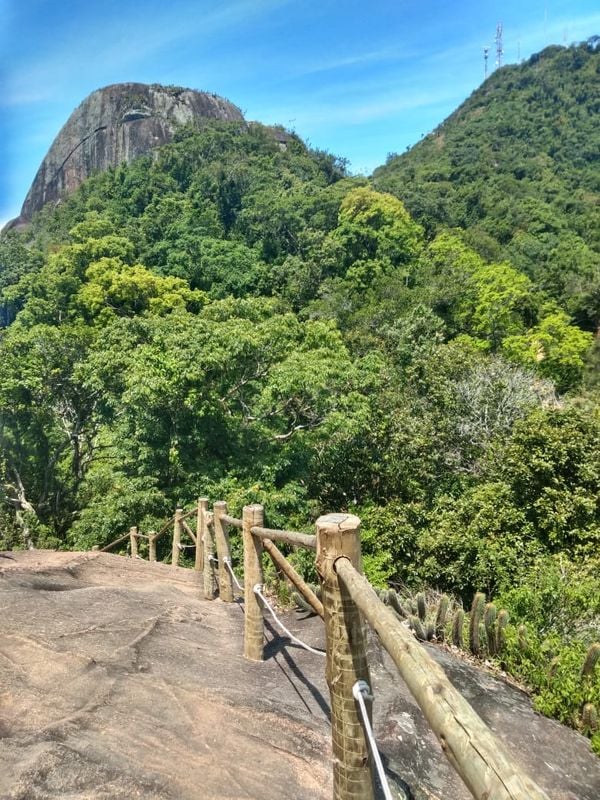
{"x": 430, "y": 631}
{"x": 417, "y": 626}
{"x": 421, "y": 606}
{"x": 522, "y": 638}
{"x": 457, "y": 628}
{"x": 476, "y": 618}
{"x": 482, "y": 643}
{"x": 395, "y": 602}
{"x": 589, "y": 717}
{"x": 489, "y": 619}
{"x": 591, "y": 659}
{"x": 501, "y": 624}
{"x": 553, "y": 667}
{"x": 440, "y": 619}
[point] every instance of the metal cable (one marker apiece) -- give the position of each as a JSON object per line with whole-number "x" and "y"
{"x": 361, "y": 691}
{"x": 227, "y": 563}
{"x": 258, "y": 591}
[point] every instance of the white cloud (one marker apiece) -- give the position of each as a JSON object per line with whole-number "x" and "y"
{"x": 122, "y": 44}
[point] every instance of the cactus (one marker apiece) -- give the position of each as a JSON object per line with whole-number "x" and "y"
{"x": 591, "y": 659}
{"x": 482, "y": 636}
{"x": 476, "y": 618}
{"x": 421, "y": 606}
{"x": 489, "y": 619}
{"x": 522, "y": 638}
{"x": 589, "y": 717}
{"x": 440, "y": 619}
{"x": 395, "y": 602}
{"x": 501, "y": 624}
{"x": 430, "y": 631}
{"x": 553, "y": 667}
{"x": 417, "y": 626}
{"x": 383, "y": 595}
{"x": 457, "y": 628}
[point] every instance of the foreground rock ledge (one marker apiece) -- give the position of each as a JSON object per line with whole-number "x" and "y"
{"x": 118, "y": 681}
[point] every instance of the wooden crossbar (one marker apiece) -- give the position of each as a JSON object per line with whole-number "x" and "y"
{"x": 284, "y": 565}
{"x": 237, "y": 523}
{"x": 290, "y": 537}
{"x": 116, "y": 541}
{"x": 189, "y": 531}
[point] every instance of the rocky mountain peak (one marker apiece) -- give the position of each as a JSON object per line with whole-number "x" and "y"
{"x": 115, "y": 124}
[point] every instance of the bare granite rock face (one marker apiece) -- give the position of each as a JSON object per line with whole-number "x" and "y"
{"x": 112, "y": 125}
{"x": 118, "y": 680}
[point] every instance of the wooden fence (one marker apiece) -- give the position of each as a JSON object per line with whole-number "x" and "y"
{"x": 347, "y": 600}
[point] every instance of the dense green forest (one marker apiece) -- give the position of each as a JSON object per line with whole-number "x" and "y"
{"x": 516, "y": 167}
{"x": 241, "y": 319}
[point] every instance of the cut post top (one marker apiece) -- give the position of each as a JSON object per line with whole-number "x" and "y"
{"x": 338, "y": 523}
{"x": 253, "y": 508}
{"x": 337, "y": 535}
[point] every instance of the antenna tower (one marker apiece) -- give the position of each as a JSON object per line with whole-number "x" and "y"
{"x": 499, "y": 48}
{"x": 486, "y": 51}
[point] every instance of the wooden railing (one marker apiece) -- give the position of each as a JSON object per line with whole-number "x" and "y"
{"x": 347, "y": 599}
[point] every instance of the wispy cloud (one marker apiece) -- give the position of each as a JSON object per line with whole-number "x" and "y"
{"x": 124, "y": 43}
{"x": 379, "y": 56}
{"x": 385, "y": 106}
{"x": 549, "y": 30}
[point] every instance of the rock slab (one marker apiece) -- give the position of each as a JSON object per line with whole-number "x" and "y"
{"x": 118, "y": 680}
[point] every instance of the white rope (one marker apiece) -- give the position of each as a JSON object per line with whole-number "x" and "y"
{"x": 361, "y": 691}
{"x": 258, "y": 591}
{"x": 227, "y": 563}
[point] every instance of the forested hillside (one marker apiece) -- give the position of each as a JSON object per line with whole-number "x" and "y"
{"x": 517, "y": 166}
{"x": 236, "y": 317}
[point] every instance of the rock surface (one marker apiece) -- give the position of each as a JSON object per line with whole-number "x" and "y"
{"x": 118, "y": 681}
{"x": 112, "y": 125}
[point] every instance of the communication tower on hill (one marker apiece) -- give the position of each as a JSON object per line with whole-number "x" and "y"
{"x": 499, "y": 48}
{"x": 486, "y": 51}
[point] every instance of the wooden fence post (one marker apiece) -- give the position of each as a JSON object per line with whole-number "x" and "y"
{"x": 209, "y": 551}
{"x": 202, "y": 507}
{"x": 254, "y": 626}
{"x": 151, "y": 546}
{"x": 177, "y": 526}
{"x": 133, "y": 540}
{"x": 222, "y": 542}
{"x": 338, "y": 535}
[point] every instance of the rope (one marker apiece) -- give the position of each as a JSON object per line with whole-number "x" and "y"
{"x": 258, "y": 591}
{"x": 361, "y": 691}
{"x": 227, "y": 563}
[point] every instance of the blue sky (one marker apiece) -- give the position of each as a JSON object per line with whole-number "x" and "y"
{"x": 358, "y": 79}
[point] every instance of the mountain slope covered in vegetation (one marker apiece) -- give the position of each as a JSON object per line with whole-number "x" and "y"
{"x": 235, "y": 316}
{"x": 517, "y": 166}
